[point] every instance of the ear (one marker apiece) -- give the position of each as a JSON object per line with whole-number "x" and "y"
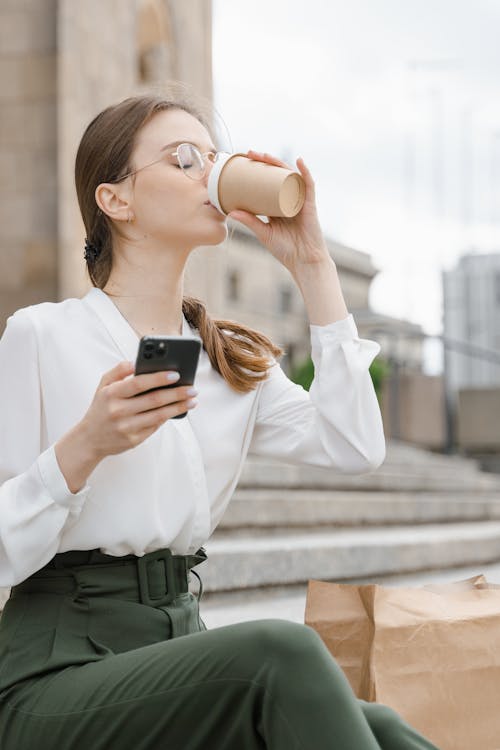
{"x": 114, "y": 200}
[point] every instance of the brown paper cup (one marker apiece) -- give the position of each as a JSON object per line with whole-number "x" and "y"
{"x": 262, "y": 189}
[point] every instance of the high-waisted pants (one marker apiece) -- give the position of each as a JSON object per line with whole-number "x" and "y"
{"x": 111, "y": 654}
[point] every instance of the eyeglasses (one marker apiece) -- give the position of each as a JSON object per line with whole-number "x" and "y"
{"x": 189, "y": 158}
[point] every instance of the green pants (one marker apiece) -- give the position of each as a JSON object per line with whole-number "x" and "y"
{"x": 96, "y": 656}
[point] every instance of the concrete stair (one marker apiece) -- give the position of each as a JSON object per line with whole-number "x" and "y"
{"x": 265, "y": 560}
{"x": 266, "y": 510}
{"x": 420, "y": 514}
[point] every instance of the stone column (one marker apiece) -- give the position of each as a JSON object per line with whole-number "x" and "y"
{"x": 96, "y": 67}
{"x": 28, "y": 147}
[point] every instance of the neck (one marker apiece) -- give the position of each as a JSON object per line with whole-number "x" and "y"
{"x": 147, "y": 288}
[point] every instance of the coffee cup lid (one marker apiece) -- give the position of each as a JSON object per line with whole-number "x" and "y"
{"x": 213, "y": 180}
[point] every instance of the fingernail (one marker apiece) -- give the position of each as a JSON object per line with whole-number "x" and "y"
{"x": 191, "y": 403}
{"x": 172, "y": 376}
{"x": 191, "y": 392}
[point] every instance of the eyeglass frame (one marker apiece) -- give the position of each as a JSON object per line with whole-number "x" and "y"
{"x": 175, "y": 153}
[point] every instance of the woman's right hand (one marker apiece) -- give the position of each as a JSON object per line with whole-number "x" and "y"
{"x": 120, "y": 417}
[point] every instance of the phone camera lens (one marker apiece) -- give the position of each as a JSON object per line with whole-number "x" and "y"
{"x": 148, "y": 355}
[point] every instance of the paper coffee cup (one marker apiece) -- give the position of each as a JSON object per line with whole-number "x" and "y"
{"x": 262, "y": 189}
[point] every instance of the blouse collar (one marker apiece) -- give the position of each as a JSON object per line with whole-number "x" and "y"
{"x": 118, "y": 327}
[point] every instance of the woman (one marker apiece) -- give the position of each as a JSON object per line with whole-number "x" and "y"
{"x": 106, "y": 499}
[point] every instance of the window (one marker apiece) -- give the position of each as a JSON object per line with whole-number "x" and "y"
{"x": 233, "y": 290}
{"x": 497, "y": 287}
{"x": 153, "y": 38}
{"x": 285, "y": 300}
{"x": 288, "y": 360}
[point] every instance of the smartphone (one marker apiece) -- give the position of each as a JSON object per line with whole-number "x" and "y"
{"x": 178, "y": 353}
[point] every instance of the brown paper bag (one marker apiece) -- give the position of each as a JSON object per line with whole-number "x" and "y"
{"x": 431, "y": 653}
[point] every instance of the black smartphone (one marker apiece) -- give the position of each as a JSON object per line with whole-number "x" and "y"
{"x": 178, "y": 353}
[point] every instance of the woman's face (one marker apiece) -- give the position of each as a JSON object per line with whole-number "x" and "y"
{"x": 168, "y": 206}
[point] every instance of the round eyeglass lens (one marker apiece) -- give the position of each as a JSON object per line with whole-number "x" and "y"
{"x": 191, "y": 161}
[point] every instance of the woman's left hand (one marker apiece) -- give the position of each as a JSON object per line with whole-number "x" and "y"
{"x": 298, "y": 241}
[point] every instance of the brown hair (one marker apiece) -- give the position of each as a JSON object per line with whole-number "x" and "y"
{"x": 239, "y": 353}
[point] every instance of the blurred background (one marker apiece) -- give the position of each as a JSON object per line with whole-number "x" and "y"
{"x": 394, "y": 107}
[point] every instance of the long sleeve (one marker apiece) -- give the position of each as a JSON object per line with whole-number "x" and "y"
{"x": 35, "y": 502}
{"x": 338, "y": 423}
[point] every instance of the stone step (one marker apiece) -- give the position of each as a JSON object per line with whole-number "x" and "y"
{"x": 289, "y": 602}
{"x": 276, "y": 508}
{"x": 398, "y": 453}
{"x": 253, "y": 560}
{"x": 403, "y": 453}
{"x": 267, "y": 473}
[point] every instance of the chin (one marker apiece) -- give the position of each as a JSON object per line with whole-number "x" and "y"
{"x": 213, "y": 236}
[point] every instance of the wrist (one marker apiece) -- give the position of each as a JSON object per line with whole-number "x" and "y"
{"x": 311, "y": 269}
{"x": 319, "y": 285}
{"x": 308, "y": 275}
{"x": 76, "y": 457}
{"x": 84, "y": 441}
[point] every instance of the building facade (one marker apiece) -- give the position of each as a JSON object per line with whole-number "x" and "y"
{"x": 62, "y": 62}
{"x": 471, "y": 314}
{"x": 242, "y": 281}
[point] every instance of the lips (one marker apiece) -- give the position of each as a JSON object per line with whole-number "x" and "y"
{"x": 219, "y": 213}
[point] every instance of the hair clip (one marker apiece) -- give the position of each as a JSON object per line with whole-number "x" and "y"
{"x": 91, "y": 251}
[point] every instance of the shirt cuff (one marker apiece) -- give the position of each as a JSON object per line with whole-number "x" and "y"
{"x": 340, "y": 330}
{"x": 55, "y": 483}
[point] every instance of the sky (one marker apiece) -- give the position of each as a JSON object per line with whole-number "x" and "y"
{"x": 395, "y": 107}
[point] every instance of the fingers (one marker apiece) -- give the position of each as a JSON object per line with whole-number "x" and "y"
{"x": 256, "y": 225}
{"x": 154, "y": 400}
{"x": 151, "y": 420}
{"x": 140, "y": 383}
{"x": 259, "y": 156}
{"x": 304, "y": 171}
{"x": 302, "y": 168}
{"x": 120, "y": 371}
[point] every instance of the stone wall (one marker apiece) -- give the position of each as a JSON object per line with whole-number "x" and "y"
{"x": 413, "y": 409}
{"x": 478, "y": 419}
{"x": 60, "y": 64}
{"x": 28, "y": 151}
{"x": 96, "y": 67}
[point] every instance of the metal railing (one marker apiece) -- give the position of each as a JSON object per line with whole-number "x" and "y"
{"x": 397, "y": 366}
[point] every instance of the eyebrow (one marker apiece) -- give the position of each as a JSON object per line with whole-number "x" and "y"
{"x": 185, "y": 140}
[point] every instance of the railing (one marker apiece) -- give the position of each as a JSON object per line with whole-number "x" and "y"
{"x": 397, "y": 366}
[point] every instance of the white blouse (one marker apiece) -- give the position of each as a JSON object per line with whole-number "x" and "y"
{"x": 172, "y": 489}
